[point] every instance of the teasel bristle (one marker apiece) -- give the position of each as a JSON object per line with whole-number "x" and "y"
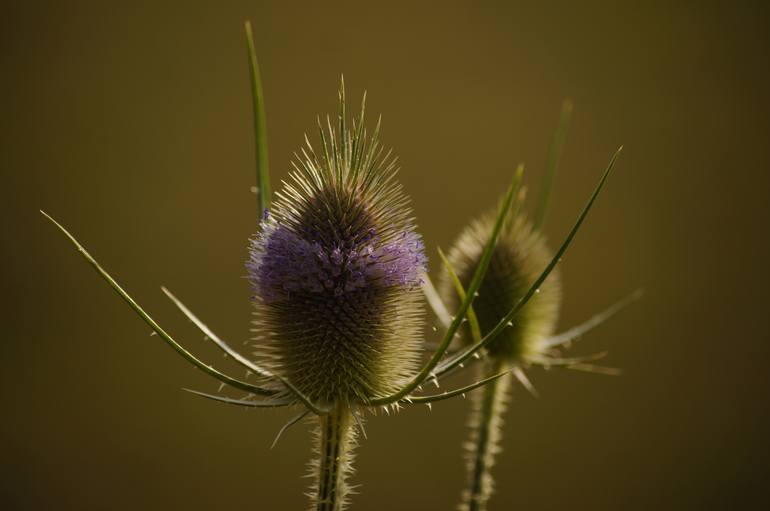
{"x": 336, "y": 269}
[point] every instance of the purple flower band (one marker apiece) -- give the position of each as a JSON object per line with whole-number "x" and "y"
{"x": 282, "y": 263}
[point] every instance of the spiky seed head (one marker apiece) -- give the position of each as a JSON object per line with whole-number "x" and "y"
{"x": 517, "y": 260}
{"x": 336, "y": 269}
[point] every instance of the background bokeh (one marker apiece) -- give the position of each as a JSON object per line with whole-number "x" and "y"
{"x": 130, "y": 122}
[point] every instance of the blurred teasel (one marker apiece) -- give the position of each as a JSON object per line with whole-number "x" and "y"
{"x": 517, "y": 259}
{"x": 516, "y": 262}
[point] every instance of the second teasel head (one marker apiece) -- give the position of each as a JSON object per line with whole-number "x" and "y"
{"x": 336, "y": 270}
{"x": 518, "y": 258}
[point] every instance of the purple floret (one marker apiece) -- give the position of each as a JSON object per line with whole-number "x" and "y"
{"x": 282, "y": 263}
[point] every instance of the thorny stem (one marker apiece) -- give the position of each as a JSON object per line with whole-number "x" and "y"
{"x": 337, "y": 441}
{"x": 486, "y": 422}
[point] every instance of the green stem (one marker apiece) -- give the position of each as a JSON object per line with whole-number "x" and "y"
{"x": 337, "y": 441}
{"x": 486, "y": 422}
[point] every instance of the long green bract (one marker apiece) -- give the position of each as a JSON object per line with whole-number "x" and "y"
{"x": 155, "y": 327}
{"x": 260, "y": 129}
{"x": 456, "y": 392}
{"x": 552, "y": 163}
{"x": 248, "y": 364}
{"x": 577, "y": 331}
{"x": 473, "y": 320}
{"x": 267, "y": 403}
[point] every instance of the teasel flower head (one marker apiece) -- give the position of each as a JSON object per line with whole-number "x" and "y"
{"x": 336, "y": 270}
{"x": 517, "y": 260}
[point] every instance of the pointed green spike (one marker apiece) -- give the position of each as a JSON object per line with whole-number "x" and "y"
{"x": 552, "y": 163}
{"x": 478, "y": 277}
{"x": 155, "y": 327}
{"x": 473, "y": 321}
{"x": 260, "y": 124}
{"x": 452, "y": 393}
{"x": 463, "y": 355}
{"x": 267, "y": 403}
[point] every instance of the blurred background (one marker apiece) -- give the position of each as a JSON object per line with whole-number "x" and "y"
{"x": 130, "y": 123}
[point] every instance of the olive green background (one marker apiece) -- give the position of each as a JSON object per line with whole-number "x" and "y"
{"x": 130, "y": 122}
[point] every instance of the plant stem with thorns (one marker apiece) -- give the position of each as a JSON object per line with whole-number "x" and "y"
{"x": 336, "y": 444}
{"x": 484, "y": 443}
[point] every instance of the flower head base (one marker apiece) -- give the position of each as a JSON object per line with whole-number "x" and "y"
{"x": 336, "y": 270}
{"x": 517, "y": 260}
